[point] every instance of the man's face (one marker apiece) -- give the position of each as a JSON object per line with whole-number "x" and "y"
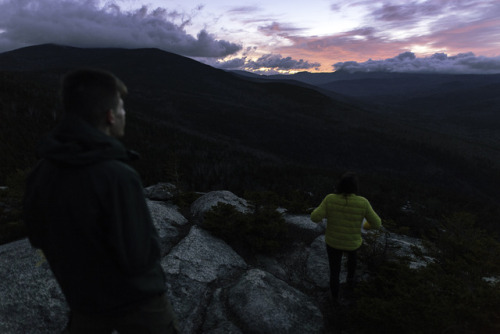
{"x": 117, "y": 128}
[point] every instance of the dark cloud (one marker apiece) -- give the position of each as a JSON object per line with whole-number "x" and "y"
{"x": 437, "y": 63}
{"x": 88, "y": 24}
{"x": 408, "y": 11}
{"x": 272, "y": 63}
{"x": 233, "y": 64}
{"x": 276, "y": 61}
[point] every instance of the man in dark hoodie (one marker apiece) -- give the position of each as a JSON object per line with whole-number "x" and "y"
{"x": 85, "y": 209}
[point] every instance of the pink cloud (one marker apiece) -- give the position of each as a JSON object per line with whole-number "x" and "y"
{"x": 463, "y": 26}
{"x": 437, "y": 63}
{"x": 481, "y": 37}
{"x": 276, "y": 28}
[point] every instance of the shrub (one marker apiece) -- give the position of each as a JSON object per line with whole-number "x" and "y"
{"x": 11, "y": 231}
{"x": 263, "y": 230}
{"x": 462, "y": 247}
{"x": 295, "y": 201}
{"x": 11, "y": 224}
{"x": 426, "y": 300}
{"x": 184, "y": 199}
{"x": 449, "y": 295}
{"x": 373, "y": 252}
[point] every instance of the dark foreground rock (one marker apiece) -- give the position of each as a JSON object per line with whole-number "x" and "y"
{"x": 211, "y": 287}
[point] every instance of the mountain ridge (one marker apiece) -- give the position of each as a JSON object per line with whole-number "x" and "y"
{"x": 291, "y": 122}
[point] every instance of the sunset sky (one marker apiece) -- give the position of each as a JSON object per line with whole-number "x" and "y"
{"x": 274, "y": 35}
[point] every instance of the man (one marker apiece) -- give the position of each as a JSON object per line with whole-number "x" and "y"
{"x": 85, "y": 208}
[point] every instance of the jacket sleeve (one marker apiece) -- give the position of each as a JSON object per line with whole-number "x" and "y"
{"x": 320, "y": 212}
{"x": 132, "y": 236}
{"x": 32, "y": 214}
{"x": 371, "y": 216}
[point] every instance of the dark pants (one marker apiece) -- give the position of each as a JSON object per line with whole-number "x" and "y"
{"x": 154, "y": 316}
{"x": 335, "y": 261}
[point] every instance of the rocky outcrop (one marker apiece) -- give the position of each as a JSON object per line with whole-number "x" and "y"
{"x": 301, "y": 227}
{"x": 197, "y": 264}
{"x": 263, "y": 302}
{"x": 211, "y": 287}
{"x": 206, "y": 202}
{"x": 161, "y": 191}
{"x": 317, "y": 264}
{"x": 169, "y": 223}
{"x": 31, "y": 301}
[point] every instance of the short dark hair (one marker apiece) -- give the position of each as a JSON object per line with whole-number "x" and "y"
{"x": 348, "y": 184}
{"x": 90, "y": 93}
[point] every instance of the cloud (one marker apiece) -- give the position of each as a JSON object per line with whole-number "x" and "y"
{"x": 414, "y": 19}
{"x": 233, "y": 64}
{"x": 420, "y": 27}
{"x": 269, "y": 63}
{"x": 276, "y": 28}
{"x": 407, "y": 11}
{"x": 437, "y": 63}
{"x": 354, "y": 44}
{"x": 244, "y": 10}
{"x": 85, "y": 23}
{"x": 276, "y": 61}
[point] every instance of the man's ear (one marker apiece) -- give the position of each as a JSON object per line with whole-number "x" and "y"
{"x": 110, "y": 117}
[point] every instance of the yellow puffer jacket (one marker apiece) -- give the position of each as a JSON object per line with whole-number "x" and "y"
{"x": 344, "y": 214}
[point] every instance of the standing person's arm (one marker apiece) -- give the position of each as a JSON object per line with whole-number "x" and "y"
{"x": 373, "y": 220}
{"x": 32, "y": 213}
{"x": 319, "y": 213}
{"x": 132, "y": 236}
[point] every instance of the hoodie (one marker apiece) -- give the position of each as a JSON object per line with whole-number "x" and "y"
{"x": 85, "y": 209}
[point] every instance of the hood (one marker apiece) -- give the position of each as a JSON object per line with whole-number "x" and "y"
{"x": 75, "y": 142}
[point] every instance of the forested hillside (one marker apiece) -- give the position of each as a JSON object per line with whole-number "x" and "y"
{"x": 282, "y": 144}
{"x": 206, "y": 129}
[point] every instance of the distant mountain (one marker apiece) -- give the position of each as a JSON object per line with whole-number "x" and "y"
{"x": 219, "y": 125}
{"x": 386, "y": 88}
{"x": 461, "y": 105}
{"x": 211, "y": 103}
{"x": 365, "y": 83}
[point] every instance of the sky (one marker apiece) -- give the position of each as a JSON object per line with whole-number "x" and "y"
{"x": 274, "y": 36}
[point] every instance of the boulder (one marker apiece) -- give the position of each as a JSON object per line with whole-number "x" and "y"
{"x": 318, "y": 270}
{"x": 272, "y": 265}
{"x": 160, "y": 191}
{"x": 202, "y": 257}
{"x": 168, "y": 221}
{"x": 192, "y": 267}
{"x": 212, "y": 288}
{"x": 218, "y": 321}
{"x": 301, "y": 226}
{"x": 288, "y": 265}
{"x": 403, "y": 246}
{"x": 265, "y": 304}
{"x": 31, "y": 300}
{"x": 398, "y": 245}
{"x": 211, "y": 199}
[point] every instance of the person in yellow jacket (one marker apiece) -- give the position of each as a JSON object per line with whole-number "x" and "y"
{"x": 344, "y": 212}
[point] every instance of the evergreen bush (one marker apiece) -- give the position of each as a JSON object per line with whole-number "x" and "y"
{"x": 261, "y": 231}
{"x": 449, "y": 295}
{"x": 11, "y": 225}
